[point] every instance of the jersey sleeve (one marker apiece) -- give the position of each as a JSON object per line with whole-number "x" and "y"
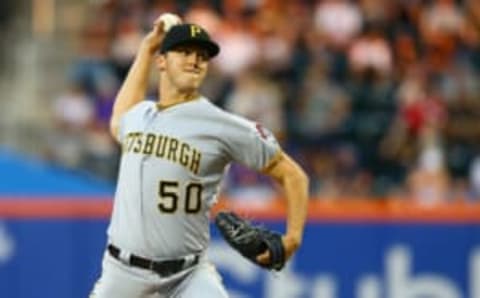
{"x": 253, "y": 145}
{"x": 131, "y": 118}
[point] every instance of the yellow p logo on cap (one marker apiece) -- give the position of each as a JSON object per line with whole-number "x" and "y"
{"x": 194, "y": 30}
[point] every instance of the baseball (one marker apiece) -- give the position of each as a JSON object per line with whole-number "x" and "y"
{"x": 169, "y": 20}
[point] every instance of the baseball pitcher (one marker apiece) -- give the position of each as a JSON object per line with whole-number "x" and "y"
{"x": 174, "y": 155}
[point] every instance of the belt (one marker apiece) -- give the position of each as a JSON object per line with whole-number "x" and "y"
{"x": 163, "y": 268}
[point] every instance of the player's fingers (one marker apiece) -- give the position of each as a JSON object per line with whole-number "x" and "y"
{"x": 158, "y": 26}
{"x": 264, "y": 258}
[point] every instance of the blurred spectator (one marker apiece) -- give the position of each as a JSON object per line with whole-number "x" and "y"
{"x": 155, "y": 8}
{"x": 443, "y": 17}
{"x": 202, "y": 12}
{"x": 276, "y": 46}
{"x": 257, "y": 98}
{"x": 376, "y": 11}
{"x": 353, "y": 180}
{"x": 461, "y": 191}
{"x": 474, "y": 177}
{"x": 73, "y": 114}
{"x": 470, "y": 38}
{"x": 101, "y": 153}
{"x": 124, "y": 45}
{"x": 419, "y": 113}
{"x": 247, "y": 185}
{"x": 103, "y": 102}
{"x": 422, "y": 112}
{"x": 376, "y": 97}
{"x": 440, "y": 25}
{"x": 240, "y": 48}
{"x": 323, "y": 184}
{"x": 93, "y": 62}
{"x": 371, "y": 53}
{"x": 428, "y": 182}
{"x": 73, "y": 111}
{"x": 338, "y": 21}
{"x": 406, "y": 53}
{"x": 323, "y": 108}
{"x": 337, "y": 173}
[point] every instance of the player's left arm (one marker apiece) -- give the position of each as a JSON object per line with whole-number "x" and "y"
{"x": 294, "y": 182}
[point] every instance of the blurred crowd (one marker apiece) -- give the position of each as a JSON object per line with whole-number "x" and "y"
{"x": 374, "y": 98}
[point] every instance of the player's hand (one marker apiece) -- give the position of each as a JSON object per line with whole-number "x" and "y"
{"x": 161, "y": 25}
{"x": 291, "y": 244}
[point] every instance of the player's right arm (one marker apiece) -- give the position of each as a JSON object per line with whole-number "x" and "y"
{"x": 135, "y": 86}
{"x": 294, "y": 182}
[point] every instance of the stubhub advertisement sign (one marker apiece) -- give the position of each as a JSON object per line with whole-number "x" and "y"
{"x": 336, "y": 260}
{"x": 366, "y": 261}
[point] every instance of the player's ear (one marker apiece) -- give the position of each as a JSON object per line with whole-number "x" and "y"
{"x": 160, "y": 62}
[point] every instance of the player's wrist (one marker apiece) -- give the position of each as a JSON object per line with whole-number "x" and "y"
{"x": 152, "y": 41}
{"x": 293, "y": 240}
{"x": 148, "y": 46}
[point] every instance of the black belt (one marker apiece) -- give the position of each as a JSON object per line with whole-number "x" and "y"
{"x": 163, "y": 268}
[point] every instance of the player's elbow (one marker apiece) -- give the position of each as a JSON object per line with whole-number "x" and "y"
{"x": 294, "y": 172}
{"x": 288, "y": 172}
{"x": 299, "y": 177}
{"x": 304, "y": 177}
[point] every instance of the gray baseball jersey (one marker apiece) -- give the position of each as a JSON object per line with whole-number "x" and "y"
{"x": 172, "y": 163}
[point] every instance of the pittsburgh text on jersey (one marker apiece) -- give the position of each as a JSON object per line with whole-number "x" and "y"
{"x": 164, "y": 147}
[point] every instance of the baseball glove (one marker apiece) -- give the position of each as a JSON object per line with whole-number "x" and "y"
{"x": 251, "y": 240}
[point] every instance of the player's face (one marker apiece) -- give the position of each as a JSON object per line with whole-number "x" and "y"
{"x": 186, "y": 66}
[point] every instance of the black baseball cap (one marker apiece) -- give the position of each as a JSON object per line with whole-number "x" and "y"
{"x": 186, "y": 34}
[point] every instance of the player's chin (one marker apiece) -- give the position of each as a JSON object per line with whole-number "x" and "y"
{"x": 189, "y": 88}
{"x": 194, "y": 79}
{"x": 191, "y": 85}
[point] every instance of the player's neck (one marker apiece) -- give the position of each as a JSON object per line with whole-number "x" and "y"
{"x": 173, "y": 97}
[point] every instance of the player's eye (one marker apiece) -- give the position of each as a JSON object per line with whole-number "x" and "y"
{"x": 203, "y": 55}
{"x": 182, "y": 50}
